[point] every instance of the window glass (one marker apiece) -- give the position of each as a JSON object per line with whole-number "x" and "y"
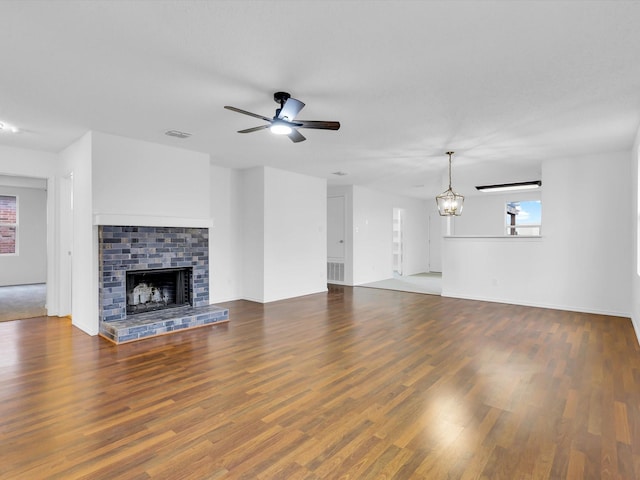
{"x": 8, "y": 224}
{"x": 524, "y": 218}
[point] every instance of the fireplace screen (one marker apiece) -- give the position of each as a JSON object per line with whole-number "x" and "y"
{"x": 149, "y": 290}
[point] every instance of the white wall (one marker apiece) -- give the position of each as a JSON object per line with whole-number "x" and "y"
{"x": 27, "y": 163}
{"x": 436, "y": 229}
{"x": 142, "y": 178}
{"x": 76, "y": 159}
{"x": 252, "y": 208}
{"x": 30, "y": 264}
{"x": 484, "y": 213}
{"x": 284, "y": 233}
{"x": 635, "y": 235}
{"x": 509, "y": 270}
{"x": 23, "y": 182}
{"x": 225, "y": 237}
{"x": 580, "y": 263}
{"x": 373, "y": 235}
{"x": 588, "y": 237}
{"x": 295, "y": 234}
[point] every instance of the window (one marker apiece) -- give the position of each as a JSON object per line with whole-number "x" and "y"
{"x": 8, "y": 225}
{"x": 524, "y": 218}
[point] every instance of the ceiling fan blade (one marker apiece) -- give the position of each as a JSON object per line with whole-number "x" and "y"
{"x": 266, "y": 119}
{"x": 318, "y": 124}
{"x": 296, "y": 136}
{"x": 290, "y": 109}
{"x": 254, "y": 129}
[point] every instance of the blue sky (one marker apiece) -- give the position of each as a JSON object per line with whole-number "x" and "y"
{"x": 530, "y": 213}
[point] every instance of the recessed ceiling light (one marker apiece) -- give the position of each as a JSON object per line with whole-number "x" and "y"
{"x": 340, "y": 174}
{"x": 508, "y": 187}
{"x": 177, "y": 134}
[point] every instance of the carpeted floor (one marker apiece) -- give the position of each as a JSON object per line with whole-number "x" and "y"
{"x": 430, "y": 283}
{"x": 22, "y": 301}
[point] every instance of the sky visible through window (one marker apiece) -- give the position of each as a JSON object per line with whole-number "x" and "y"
{"x": 529, "y": 212}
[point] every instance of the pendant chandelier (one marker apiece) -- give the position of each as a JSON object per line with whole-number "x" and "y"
{"x": 449, "y": 202}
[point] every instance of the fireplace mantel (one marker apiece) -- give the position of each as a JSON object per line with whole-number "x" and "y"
{"x": 150, "y": 221}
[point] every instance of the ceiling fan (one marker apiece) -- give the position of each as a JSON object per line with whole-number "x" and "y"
{"x": 284, "y": 123}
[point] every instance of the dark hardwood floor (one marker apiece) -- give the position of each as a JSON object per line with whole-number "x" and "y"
{"x": 355, "y": 384}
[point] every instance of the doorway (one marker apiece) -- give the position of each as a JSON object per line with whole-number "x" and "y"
{"x": 397, "y": 250}
{"x": 336, "y": 230}
{"x": 435, "y": 243}
{"x": 23, "y": 264}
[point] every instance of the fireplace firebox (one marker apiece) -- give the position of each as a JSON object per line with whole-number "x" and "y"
{"x": 149, "y": 290}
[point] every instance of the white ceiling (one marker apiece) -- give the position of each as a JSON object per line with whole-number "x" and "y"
{"x": 505, "y": 85}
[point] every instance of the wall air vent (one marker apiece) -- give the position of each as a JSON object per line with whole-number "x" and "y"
{"x": 335, "y": 271}
{"x": 177, "y": 134}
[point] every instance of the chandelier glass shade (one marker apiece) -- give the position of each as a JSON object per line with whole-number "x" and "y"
{"x": 449, "y": 202}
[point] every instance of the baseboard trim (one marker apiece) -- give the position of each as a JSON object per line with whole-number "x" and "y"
{"x": 636, "y": 328}
{"x": 568, "y": 308}
{"x": 93, "y": 331}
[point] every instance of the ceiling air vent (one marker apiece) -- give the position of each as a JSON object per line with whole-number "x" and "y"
{"x": 177, "y": 134}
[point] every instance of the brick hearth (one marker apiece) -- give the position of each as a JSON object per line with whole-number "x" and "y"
{"x": 151, "y": 324}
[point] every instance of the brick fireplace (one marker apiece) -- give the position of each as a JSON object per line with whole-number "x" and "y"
{"x": 149, "y": 254}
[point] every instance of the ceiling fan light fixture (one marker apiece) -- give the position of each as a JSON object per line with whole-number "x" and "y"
{"x": 280, "y": 128}
{"x": 284, "y": 122}
{"x": 449, "y": 202}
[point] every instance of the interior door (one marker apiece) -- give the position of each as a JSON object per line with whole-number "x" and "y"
{"x": 335, "y": 229}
